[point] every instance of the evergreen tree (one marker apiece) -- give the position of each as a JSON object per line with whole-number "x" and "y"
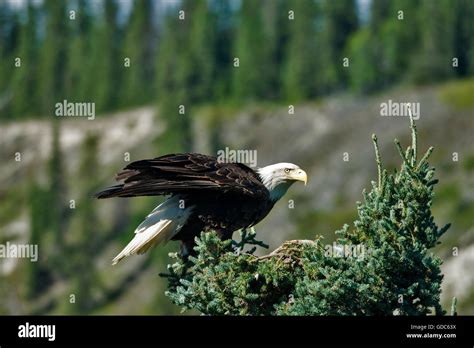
{"x": 89, "y": 234}
{"x": 57, "y": 205}
{"x": 275, "y": 30}
{"x": 201, "y": 43}
{"x": 249, "y": 79}
{"x": 9, "y": 32}
{"x": 137, "y": 81}
{"x": 188, "y": 73}
{"x": 302, "y": 63}
{"x": 9, "y": 28}
{"x": 366, "y": 50}
{"x": 464, "y": 36}
{"x": 24, "y": 82}
{"x": 166, "y": 62}
{"x": 434, "y": 60}
{"x": 225, "y": 26}
{"x": 4, "y": 33}
{"x": 173, "y": 92}
{"x": 340, "y": 21}
{"x": 363, "y": 74}
{"x": 53, "y": 55}
{"x": 105, "y": 62}
{"x": 379, "y": 12}
{"x": 76, "y": 77}
{"x": 37, "y": 275}
{"x": 399, "y": 37}
{"x": 468, "y": 36}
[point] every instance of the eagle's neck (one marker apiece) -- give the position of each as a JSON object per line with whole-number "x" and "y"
{"x": 275, "y": 186}
{"x": 279, "y": 191}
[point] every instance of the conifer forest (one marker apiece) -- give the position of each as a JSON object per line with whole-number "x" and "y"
{"x": 374, "y": 99}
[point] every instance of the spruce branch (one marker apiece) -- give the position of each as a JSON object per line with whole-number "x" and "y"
{"x": 413, "y": 136}
{"x": 406, "y": 165}
{"x": 425, "y": 157}
{"x": 379, "y": 163}
{"x": 248, "y": 238}
{"x": 400, "y": 150}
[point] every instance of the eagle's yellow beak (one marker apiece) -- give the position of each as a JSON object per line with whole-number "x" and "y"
{"x": 300, "y": 175}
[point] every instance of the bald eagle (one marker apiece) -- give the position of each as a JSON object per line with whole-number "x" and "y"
{"x": 204, "y": 194}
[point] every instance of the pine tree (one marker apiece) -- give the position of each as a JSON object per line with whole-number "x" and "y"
{"x": 86, "y": 282}
{"x": 249, "y": 77}
{"x": 105, "y": 60}
{"x": 384, "y": 259}
{"x": 165, "y": 62}
{"x": 37, "y": 275}
{"x": 434, "y": 58}
{"x": 399, "y": 34}
{"x": 224, "y": 12}
{"x": 9, "y": 28}
{"x": 275, "y": 30}
{"x": 363, "y": 72}
{"x": 137, "y": 81}
{"x": 24, "y": 82}
{"x": 468, "y": 36}
{"x": 57, "y": 206}
{"x": 302, "y": 63}
{"x": 366, "y": 50}
{"x": 76, "y": 77}
{"x": 464, "y": 36}
{"x": 340, "y": 21}
{"x": 9, "y": 33}
{"x": 188, "y": 74}
{"x": 379, "y": 12}
{"x": 53, "y": 55}
{"x": 201, "y": 40}
{"x": 173, "y": 90}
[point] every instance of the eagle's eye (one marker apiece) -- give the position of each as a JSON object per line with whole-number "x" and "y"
{"x": 287, "y": 170}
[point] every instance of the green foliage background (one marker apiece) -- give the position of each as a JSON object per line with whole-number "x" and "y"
{"x": 288, "y": 50}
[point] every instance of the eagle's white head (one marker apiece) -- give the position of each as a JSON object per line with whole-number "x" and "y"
{"x": 278, "y": 177}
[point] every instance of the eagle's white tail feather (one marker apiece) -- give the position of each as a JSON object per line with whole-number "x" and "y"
{"x": 160, "y": 225}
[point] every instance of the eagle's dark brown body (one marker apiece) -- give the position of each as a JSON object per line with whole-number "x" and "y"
{"x": 225, "y": 196}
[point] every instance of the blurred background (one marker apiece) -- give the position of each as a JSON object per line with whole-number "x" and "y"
{"x": 299, "y": 81}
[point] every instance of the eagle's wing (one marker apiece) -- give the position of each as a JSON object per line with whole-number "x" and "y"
{"x": 185, "y": 173}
